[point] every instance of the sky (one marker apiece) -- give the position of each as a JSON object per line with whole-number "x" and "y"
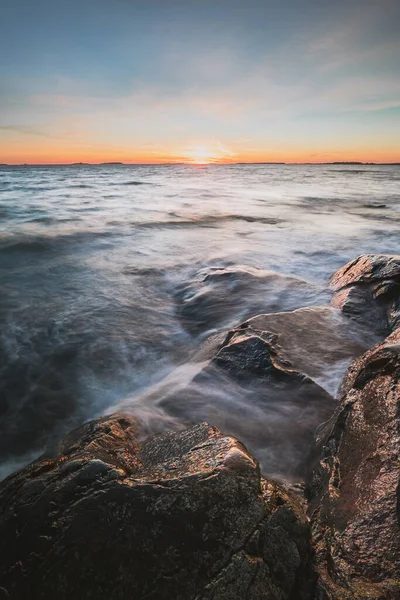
{"x": 146, "y": 81}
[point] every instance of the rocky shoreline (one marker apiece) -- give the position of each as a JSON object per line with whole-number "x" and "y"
{"x": 188, "y": 515}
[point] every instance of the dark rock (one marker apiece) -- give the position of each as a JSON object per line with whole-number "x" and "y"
{"x": 317, "y": 341}
{"x": 368, "y": 289}
{"x": 268, "y": 381}
{"x": 354, "y": 483}
{"x": 181, "y": 516}
{"x": 222, "y": 296}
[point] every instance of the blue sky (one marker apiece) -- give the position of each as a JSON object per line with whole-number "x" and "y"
{"x": 157, "y": 80}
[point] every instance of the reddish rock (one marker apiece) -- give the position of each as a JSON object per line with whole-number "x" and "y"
{"x": 354, "y": 483}
{"x": 368, "y": 289}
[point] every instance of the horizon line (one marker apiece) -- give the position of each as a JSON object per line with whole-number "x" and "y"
{"x": 194, "y": 164}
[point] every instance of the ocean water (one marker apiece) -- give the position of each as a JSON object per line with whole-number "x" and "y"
{"x": 110, "y": 286}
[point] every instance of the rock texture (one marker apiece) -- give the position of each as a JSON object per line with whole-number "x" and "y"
{"x": 354, "y": 483}
{"x": 183, "y": 516}
{"x": 222, "y": 296}
{"x": 368, "y": 288}
{"x": 317, "y": 341}
{"x": 270, "y": 383}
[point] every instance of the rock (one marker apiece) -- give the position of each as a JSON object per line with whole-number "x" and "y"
{"x": 222, "y": 296}
{"x": 367, "y": 268}
{"x": 368, "y": 289}
{"x": 353, "y": 485}
{"x": 268, "y": 381}
{"x": 183, "y": 515}
{"x": 318, "y": 341}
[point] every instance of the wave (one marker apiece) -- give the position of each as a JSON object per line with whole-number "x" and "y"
{"x": 46, "y": 220}
{"x": 206, "y": 221}
{"x": 26, "y": 244}
{"x": 32, "y": 188}
{"x": 141, "y": 271}
{"x": 81, "y": 186}
{"x": 136, "y": 183}
{"x": 355, "y": 171}
{"x": 43, "y": 220}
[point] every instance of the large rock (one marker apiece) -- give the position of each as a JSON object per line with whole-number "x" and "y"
{"x": 222, "y": 296}
{"x": 317, "y": 341}
{"x": 269, "y": 382}
{"x": 181, "y": 516}
{"x": 368, "y": 288}
{"x": 354, "y": 483}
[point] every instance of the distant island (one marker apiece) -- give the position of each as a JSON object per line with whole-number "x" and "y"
{"x": 110, "y": 163}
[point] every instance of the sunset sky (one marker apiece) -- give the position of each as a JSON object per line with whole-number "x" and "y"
{"x": 199, "y": 81}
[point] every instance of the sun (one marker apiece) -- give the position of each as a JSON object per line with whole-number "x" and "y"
{"x": 201, "y": 155}
{"x": 206, "y": 152}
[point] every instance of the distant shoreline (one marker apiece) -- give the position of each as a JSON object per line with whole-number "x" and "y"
{"x": 120, "y": 164}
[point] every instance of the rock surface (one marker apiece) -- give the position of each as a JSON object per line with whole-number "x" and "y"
{"x": 317, "y": 341}
{"x": 184, "y": 515}
{"x": 354, "y": 485}
{"x": 368, "y": 288}
{"x": 222, "y": 296}
{"x": 268, "y": 382}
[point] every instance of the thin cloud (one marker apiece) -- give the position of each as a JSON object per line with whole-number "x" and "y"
{"x": 24, "y": 130}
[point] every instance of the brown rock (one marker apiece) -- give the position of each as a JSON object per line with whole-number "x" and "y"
{"x": 368, "y": 289}
{"x": 367, "y": 268}
{"x": 184, "y": 515}
{"x": 354, "y": 483}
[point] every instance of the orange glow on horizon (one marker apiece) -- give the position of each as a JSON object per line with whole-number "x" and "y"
{"x": 200, "y": 154}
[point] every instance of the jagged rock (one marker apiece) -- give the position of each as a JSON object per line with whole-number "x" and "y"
{"x": 368, "y": 288}
{"x": 222, "y": 296}
{"x": 354, "y": 483}
{"x": 184, "y": 515}
{"x": 263, "y": 382}
{"x": 367, "y": 268}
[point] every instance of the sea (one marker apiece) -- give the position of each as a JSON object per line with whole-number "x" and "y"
{"x": 105, "y": 296}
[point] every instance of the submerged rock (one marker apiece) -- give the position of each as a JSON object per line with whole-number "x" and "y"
{"x": 368, "y": 288}
{"x": 354, "y": 483}
{"x": 221, "y": 296}
{"x": 317, "y": 341}
{"x": 263, "y": 382}
{"x": 270, "y": 382}
{"x": 184, "y": 515}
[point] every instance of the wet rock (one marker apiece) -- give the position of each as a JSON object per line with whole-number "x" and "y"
{"x": 367, "y": 268}
{"x": 184, "y": 515}
{"x": 317, "y": 341}
{"x": 354, "y": 483}
{"x": 368, "y": 289}
{"x": 222, "y": 296}
{"x": 270, "y": 382}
